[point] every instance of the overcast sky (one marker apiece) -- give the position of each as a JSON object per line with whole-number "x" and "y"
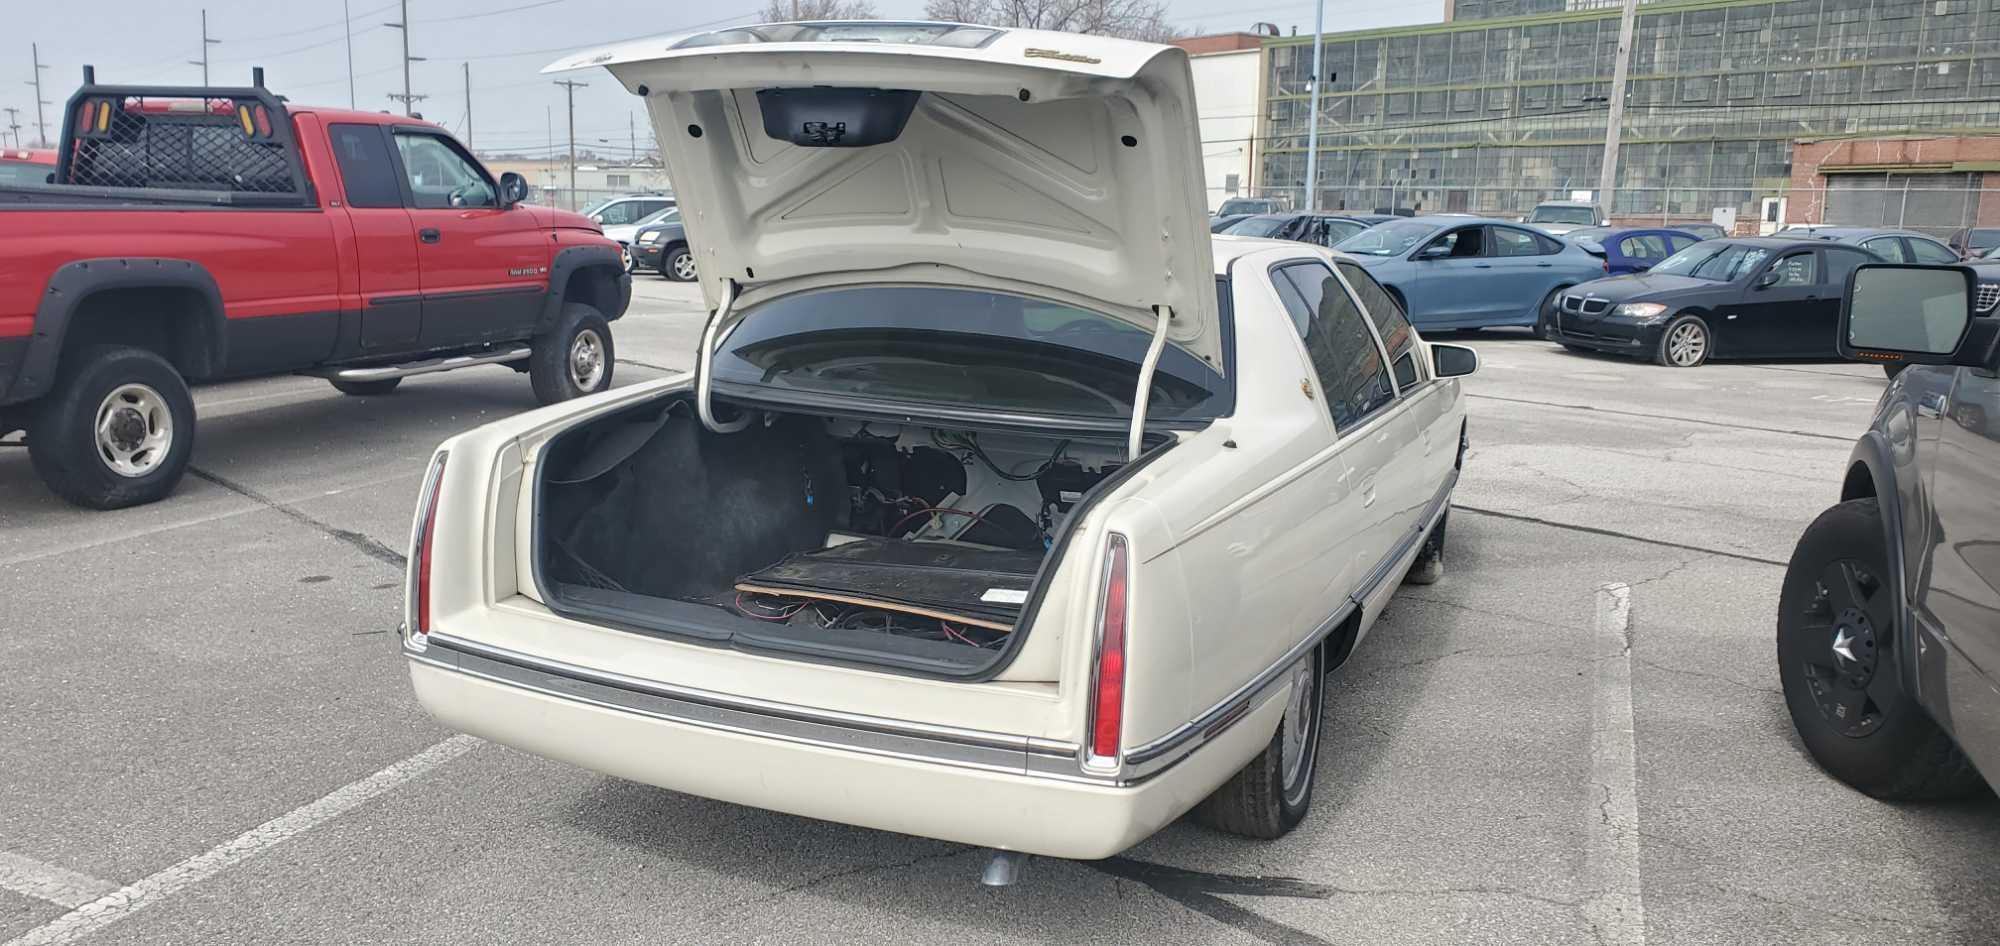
{"x": 506, "y": 42}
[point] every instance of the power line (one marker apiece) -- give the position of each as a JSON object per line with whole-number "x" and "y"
{"x": 475, "y": 16}
{"x": 312, "y": 29}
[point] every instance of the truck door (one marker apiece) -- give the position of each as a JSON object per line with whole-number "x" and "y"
{"x": 385, "y": 239}
{"x": 485, "y": 268}
{"x": 1958, "y": 585}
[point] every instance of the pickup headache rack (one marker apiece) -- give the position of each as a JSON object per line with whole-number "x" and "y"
{"x": 233, "y": 144}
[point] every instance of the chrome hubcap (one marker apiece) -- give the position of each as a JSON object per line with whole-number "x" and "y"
{"x": 134, "y": 430}
{"x": 684, "y": 266}
{"x": 586, "y": 360}
{"x": 1686, "y": 344}
{"x": 1296, "y": 751}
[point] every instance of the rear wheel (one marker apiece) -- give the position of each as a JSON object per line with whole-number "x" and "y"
{"x": 1685, "y": 343}
{"x": 678, "y": 264}
{"x": 116, "y": 431}
{"x": 1545, "y": 315}
{"x": 1839, "y": 664}
{"x": 574, "y": 359}
{"x": 1271, "y": 795}
{"x": 365, "y": 388}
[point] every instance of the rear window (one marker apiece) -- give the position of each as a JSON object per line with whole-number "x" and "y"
{"x": 1582, "y": 215}
{"x": 963, "y": 348}
{"x": 19, "y": 173}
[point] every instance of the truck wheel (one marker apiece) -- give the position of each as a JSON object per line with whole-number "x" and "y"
{"x": 116, "y": 431}
{"x": 573, "y": 360}
{"x": 678, "y": 265}
{"x": 1839, "y": 665}
{"x": 1429, "y": 566}
{"x": 365, "y": 388}
{"x": 1270, "y": 796}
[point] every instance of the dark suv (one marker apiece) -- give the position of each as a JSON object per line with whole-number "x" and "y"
{"x": 1889, "y": 620}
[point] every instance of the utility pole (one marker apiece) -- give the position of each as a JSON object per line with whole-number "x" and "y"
{"x": 41, "y": 124}
{"x": 1614, "y": 119}
{"x": 1312, "y": 127}
{"x": 205, "y": 43}
{"x": 14, "y": 123}
{"x": 569, "y": 87}
{"x": 632, "y": 133}
{"x": 468, "y": 106}
{"x": 347, "y": 24}
{"x": 409, "y": 101}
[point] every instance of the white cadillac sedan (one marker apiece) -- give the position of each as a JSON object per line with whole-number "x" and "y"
{"x": 1005, "y": 506}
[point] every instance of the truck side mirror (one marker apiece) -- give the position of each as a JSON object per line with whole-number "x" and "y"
{"x": 1896, "y": 313}
{"x": 513, "y": 189}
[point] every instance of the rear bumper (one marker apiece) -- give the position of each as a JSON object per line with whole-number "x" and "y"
{"x": 1009, "y": 793}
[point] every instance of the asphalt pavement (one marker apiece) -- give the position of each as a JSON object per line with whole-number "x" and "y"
{"x": 1575, "y": 737}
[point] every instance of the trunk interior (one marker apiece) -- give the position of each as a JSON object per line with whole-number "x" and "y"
{"x": 896, "y": 545}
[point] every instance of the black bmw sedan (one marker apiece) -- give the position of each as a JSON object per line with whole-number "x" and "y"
{"x": 1757, "y": 297}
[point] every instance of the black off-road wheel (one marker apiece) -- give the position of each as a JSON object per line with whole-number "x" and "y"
{"x": 1839, "y": 664}
{"x": 366, "y": 388}
{"x": 117, "y": 430}
{"x": 1272, "y": 794}
{"x": 1686, "y": 343}
{"x": 574, "y": 359}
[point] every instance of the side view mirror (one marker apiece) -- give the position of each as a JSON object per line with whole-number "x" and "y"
{"x": 1897, "y": 313}
{"x": 1453, "y": 361}
{"x": 1770, "y": 278}
{"x": 1434, "y": 251}
{"x": 513, "y": 189}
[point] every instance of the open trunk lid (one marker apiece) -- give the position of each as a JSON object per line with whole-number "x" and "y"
{"x": 819, "y": 155}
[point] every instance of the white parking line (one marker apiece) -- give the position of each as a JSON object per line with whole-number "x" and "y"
{"x": 58, "y": 885}
{"x": 109, "y": 908}
{"x": 1612, "y": 900}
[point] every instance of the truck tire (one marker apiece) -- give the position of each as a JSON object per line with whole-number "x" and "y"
{"x": 574, "y": 359}
{"x": 1838, "y": 664}
{"x": 1270, "y": 796}
{"x": 365, "y": 388}
{"x": 117, "y": 430}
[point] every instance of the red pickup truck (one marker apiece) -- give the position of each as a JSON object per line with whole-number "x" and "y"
{"x": 195, "y": 234}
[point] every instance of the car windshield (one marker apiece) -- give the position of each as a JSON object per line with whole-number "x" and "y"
{"x": 1545, "y": 214}
{"x": 1258, "y": 226}
{"x": 1721, "y": 262}
{"x": 1388, "y": 239}
{"x": 21, "y": 172}
{"x": 965, "y": 348}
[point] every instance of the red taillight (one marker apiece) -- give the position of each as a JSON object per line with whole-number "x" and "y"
{"x": 420, "y": 555}
{"x": 263, "y": 122}
{"x": 1108, "y": 690}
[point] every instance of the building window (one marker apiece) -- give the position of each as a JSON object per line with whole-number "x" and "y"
{"x": 617, "y": 180}
{"x": 1231, "y": 183}
{"x": 1787, "y": 84}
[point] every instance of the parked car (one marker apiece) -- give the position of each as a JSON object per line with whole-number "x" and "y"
{"x": 663, "y": 247}
{"x": 1749, "y": 297}
{"x": 358, "y": 246}
{"x": 1469, "y": 272}
{"x": 1974, "y": 242}
{"x": 1706, "y": 231}
{"x": 1557, "y": 217}
{"x": 1318, "y": 229}
{"x": 626, "y": 209}
{"x": 1221, "y": 222}
{"x": 715, "y": 578}
{"x": 1888, "y": 631}
{"x": 1895, "y": 246}
{"x": 23, "y": 167}
{"x": 1246, "y": 206}
{"x": 625, "y": 233}
{"x": 1630, "y": 250}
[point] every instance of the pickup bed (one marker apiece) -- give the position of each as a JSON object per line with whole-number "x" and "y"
{"x": 197, "y": 234}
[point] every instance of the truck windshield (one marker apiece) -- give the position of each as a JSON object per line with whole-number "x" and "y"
{"x": 1579, "y": 215}
{"x": 962, "y": 347}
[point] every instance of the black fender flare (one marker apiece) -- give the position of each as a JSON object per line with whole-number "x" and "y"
{"x": 567, "y": 262}
{"x": 1871, "y": 470}
{"x": 74, "y": 283}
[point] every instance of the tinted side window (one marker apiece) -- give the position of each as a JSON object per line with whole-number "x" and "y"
{"x": 1390, "y": 323}
{"x": 1927, "y": 252}
{"x": 1648, "y": 246}
{"x": 619, "y": 214}
{"x": 1680, "y": 243}
{"x": 1352, "y": 376}
{"x": 1840, "y": 262}
{"x": 1508, "y": 242}
{"x": 1796, "y": 270}
{"x": 365, "y": 171}
{"x": 1889, "y": 248}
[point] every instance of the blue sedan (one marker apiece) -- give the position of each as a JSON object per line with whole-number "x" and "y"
{"x": 1453, "y": 272}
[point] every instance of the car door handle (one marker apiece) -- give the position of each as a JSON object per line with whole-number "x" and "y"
{"x": 429, "y": 235}
{"x": 1930, "y": 405}
{"x": 1543, "y": 265}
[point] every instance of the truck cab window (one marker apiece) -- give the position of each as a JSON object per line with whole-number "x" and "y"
{"x": 365, "y": 172}
{"x": 440, "y": 178}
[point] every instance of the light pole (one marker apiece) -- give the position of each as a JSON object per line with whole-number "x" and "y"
{"x": 205, "y": 43}
{"x": 1312, "y": 123}
{"x": 570, "y": 86}
{"x": 41, "y": 124}
{"x": 1614, "y": 119}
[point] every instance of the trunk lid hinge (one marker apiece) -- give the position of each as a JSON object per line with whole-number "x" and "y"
{"x": 704, "y": 365}
{"x": 1134, "y": 438}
